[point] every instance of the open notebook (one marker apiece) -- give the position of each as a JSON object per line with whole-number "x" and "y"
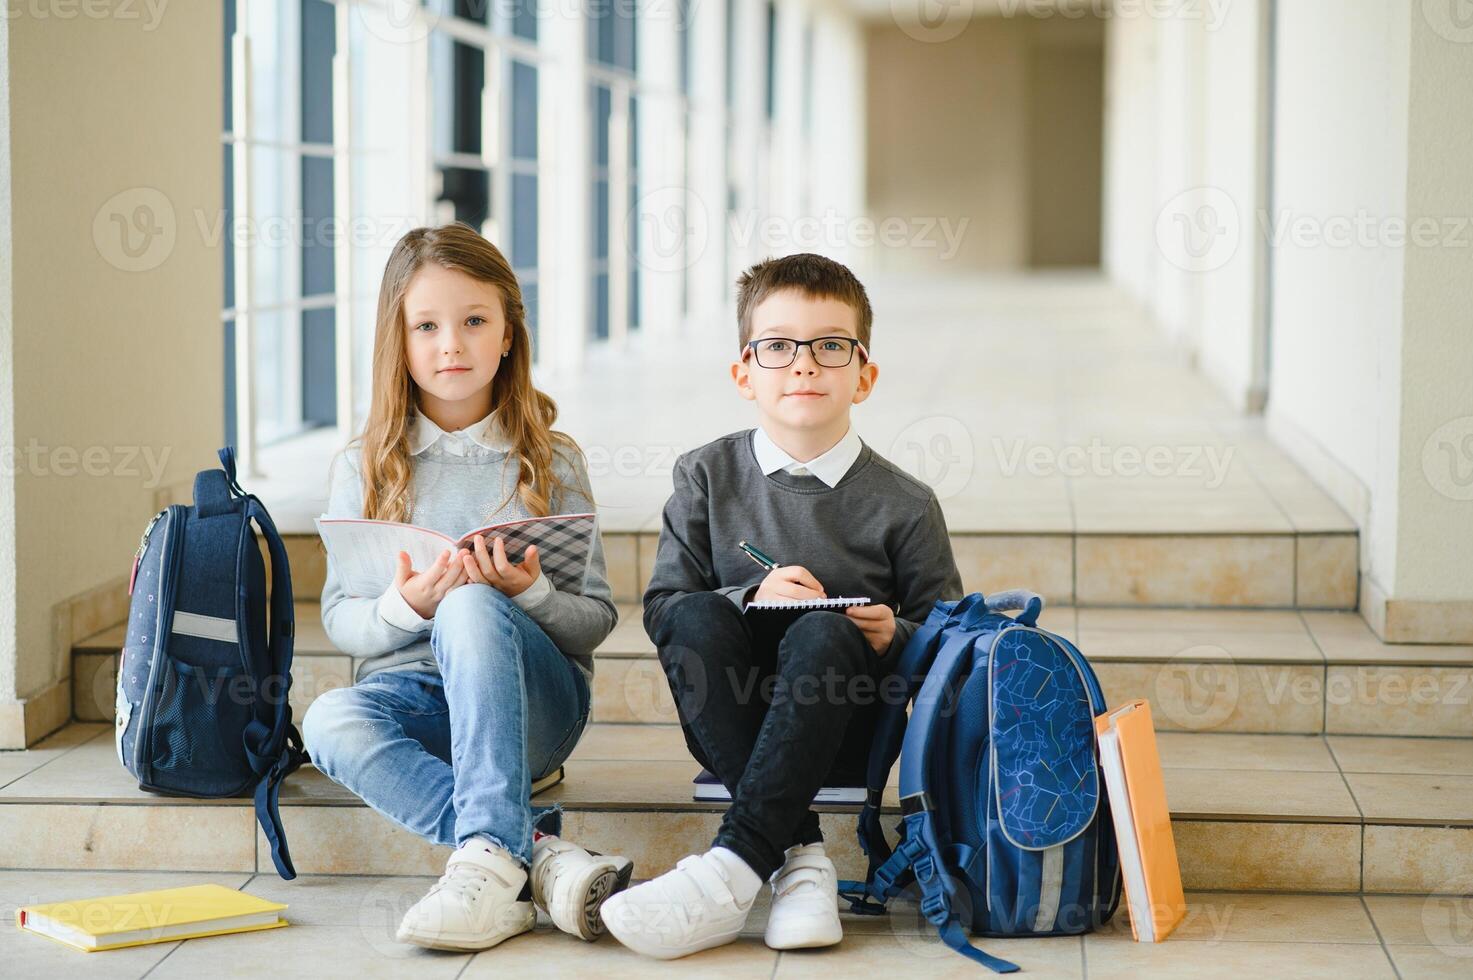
{"x": 364, "y": 553}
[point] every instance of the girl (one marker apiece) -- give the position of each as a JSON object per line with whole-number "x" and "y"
{"x": 475, "y": 672}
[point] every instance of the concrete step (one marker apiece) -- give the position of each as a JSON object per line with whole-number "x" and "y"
{"x": 1338, "y": 813}
{"x": 1247, "y": 671}
{"x": 1247, "y": 568}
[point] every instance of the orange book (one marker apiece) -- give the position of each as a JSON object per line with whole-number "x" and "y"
{"x": 1137, "y": 793}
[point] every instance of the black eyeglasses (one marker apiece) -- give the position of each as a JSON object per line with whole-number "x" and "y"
{"x": 829, "y": 352}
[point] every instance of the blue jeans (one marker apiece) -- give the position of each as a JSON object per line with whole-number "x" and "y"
{"x": 454, "y": 755}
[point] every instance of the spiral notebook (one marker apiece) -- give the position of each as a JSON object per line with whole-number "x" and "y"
{"x": 834, "y": 602}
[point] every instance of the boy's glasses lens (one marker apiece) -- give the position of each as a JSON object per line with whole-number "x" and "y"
{"x": 827, "y": 351}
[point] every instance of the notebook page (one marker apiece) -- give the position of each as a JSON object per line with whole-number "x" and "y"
{"x": 364, "y": 552}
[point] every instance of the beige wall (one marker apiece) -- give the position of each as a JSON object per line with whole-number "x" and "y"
{"x": 1309, "y": 291}
{"x": 116, "y": 366}
{"x": 1065, "y": 151}
{"x": 967, "y": 129}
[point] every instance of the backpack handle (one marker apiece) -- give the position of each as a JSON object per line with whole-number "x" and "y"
{"x": 1031, "y": 604}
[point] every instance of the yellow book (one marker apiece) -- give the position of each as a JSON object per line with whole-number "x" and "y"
{"x": 150, "y": 917}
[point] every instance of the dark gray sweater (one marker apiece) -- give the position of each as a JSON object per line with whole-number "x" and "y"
{"x": 879, "y": 533}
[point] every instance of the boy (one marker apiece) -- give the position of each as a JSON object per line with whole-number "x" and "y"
{"x": 779, "y": 704}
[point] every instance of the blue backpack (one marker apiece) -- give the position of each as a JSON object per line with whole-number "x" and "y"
{"x": 203, "y": 681}
{"x": 1005, "y": 828}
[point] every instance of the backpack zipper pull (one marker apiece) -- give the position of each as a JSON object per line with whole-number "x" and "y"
{"x": 142, "y": 545}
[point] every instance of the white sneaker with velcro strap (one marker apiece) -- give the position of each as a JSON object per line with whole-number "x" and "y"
{"x": 685, "y": 910}
{"x": 482, "y": 899}
{"x": 805, "y": 901}
{"x": 571, "y": 884}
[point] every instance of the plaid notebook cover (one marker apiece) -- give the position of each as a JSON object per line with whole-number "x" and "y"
{"x": 564, "y": 545}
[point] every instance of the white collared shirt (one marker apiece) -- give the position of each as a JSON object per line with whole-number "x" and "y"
{"x": 486, "y": 433}
{"x": 830, "y": 466}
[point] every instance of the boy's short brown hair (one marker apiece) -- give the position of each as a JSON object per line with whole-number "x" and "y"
{"x": 814, "y": 276}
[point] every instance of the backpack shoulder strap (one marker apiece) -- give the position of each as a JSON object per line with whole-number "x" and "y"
{"x": 275, "y": 750}
{"x": 937, "y": 886}
{"x": 915, "y": 662}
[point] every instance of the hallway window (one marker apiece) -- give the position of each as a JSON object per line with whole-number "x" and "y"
{"x": 484, "y": 77}
{"x": 614, "y": 118}
{"x": 281, "y": 160}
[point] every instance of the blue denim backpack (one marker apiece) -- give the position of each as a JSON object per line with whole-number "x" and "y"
{"x": 203, "y": 681}
{"x": 1005, "y": 830}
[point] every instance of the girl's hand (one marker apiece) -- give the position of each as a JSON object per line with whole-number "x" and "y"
{"x": 877, "y": 622}
{"x": 494, "y": 569}
{"x": 424, "y": 590}
{"x": 789, "y": 582}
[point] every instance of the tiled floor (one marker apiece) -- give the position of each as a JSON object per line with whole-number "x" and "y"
{"x": 343, "y": 926}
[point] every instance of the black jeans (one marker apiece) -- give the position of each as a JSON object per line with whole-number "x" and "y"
{"x": 776, "y": 706}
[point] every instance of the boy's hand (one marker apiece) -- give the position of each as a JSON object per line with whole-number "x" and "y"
{"x": 424, "y": 590}
{"x": 789, "y": 582}
{"x": 877, "y": 622}
{"x": 494, "y": 569}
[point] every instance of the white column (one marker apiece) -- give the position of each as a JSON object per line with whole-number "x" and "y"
{"x": 563, "y": 198}
{"x": 705, "y": 201}
{"x": 658, "y": 211}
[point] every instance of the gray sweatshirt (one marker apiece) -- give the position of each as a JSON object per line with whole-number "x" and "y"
{"x": 878, "y": 533}
{"x": 454, "y": 494}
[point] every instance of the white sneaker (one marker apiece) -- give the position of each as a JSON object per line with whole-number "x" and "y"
{"x": 685, "y": 910}
{"x": 805, "y": 901}
{"x": 570, "y": 884}
{"x": 476, "y": 903}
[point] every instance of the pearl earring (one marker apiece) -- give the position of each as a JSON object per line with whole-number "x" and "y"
{"x": 506, "y": 353}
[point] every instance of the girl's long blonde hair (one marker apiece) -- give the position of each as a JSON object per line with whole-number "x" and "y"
{"x": 525, "y": 414}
